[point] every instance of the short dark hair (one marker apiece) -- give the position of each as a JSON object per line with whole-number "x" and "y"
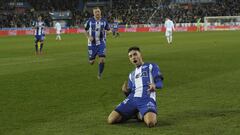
{"x": 96, "y": 8}
{"x": 135, "y": 48}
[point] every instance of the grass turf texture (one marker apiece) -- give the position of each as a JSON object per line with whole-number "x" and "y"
{"x": 58, "y": 93}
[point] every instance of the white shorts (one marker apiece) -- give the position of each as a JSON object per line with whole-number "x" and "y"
{"x": 168, "y": 33}
{"x": 58, "y": 32}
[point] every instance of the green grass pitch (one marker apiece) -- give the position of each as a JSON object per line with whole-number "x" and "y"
{"x": 58, "y": 93}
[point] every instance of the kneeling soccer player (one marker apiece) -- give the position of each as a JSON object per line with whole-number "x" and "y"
{"x": 140, "y": 91}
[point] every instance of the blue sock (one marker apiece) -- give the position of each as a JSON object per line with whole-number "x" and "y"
{"x": 36, "y": 47}
{"x": 100, "y": 68}
{"x": 41, "y": 46}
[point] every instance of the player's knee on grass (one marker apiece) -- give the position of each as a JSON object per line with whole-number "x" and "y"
{"x": 151, "y": 124}
{"x": 114, "y": 117}
{"x": 150, "y": 119}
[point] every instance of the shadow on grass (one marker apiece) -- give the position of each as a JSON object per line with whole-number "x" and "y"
{"x": 140, "y": 124}
{"x": 199, "y": 114}
{"x": 174, "y": 119}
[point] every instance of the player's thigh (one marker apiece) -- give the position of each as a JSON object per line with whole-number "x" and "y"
{"x": 42, "y": 39}
{"x": 92, "y": 52}
{"x": 37, "y": 39}
{"x": 147, "y": 105}
{"x": 113, "y": 32}
{"x": 167, "y": 33}
{"x": 126, "y": 109}
{"x": 101, "y": 52}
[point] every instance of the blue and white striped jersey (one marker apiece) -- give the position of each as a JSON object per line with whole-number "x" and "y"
{"x": 39, "y": 28}
{"x": 140, "y": 78}
{"x": 97, "y": 29}
{"x": 115, "y": 25}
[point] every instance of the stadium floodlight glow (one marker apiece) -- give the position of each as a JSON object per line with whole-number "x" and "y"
{"x": 214, "y": 23}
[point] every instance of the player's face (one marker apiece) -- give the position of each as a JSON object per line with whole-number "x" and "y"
{"x": 97, "y": 13}
{"x": 135, "y": 57}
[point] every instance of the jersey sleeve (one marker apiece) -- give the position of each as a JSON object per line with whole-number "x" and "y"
{"x": 87, "y": 25}
{"x": 157, "y": 76}
{"x": 130, "y": 84}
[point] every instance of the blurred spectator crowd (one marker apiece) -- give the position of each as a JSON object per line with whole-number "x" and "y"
{"x": 124, "y": 11}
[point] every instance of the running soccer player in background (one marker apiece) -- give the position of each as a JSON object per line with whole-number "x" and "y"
{"x": 58, "y": 30}
{"x": 199, "y": 24}
{"x": 39, "y": 35}
{"x": 96, "y": 28}
{"x": 115, "y": 28}
{"x": 169, "y": 30}
{"x": 140, "y": 90}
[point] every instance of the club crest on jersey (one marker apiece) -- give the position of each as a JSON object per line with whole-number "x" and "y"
{"x": 143, "y": 74}
{"x": 150, "y": 105}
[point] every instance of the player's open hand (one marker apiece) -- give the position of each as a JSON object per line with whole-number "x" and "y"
{"x": 152, "y": 87}
{"x": 90, "y": 38}
{"x": 125, "y": 87}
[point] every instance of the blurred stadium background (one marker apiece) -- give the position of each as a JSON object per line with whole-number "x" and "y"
{"x": 58, "y": 93}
